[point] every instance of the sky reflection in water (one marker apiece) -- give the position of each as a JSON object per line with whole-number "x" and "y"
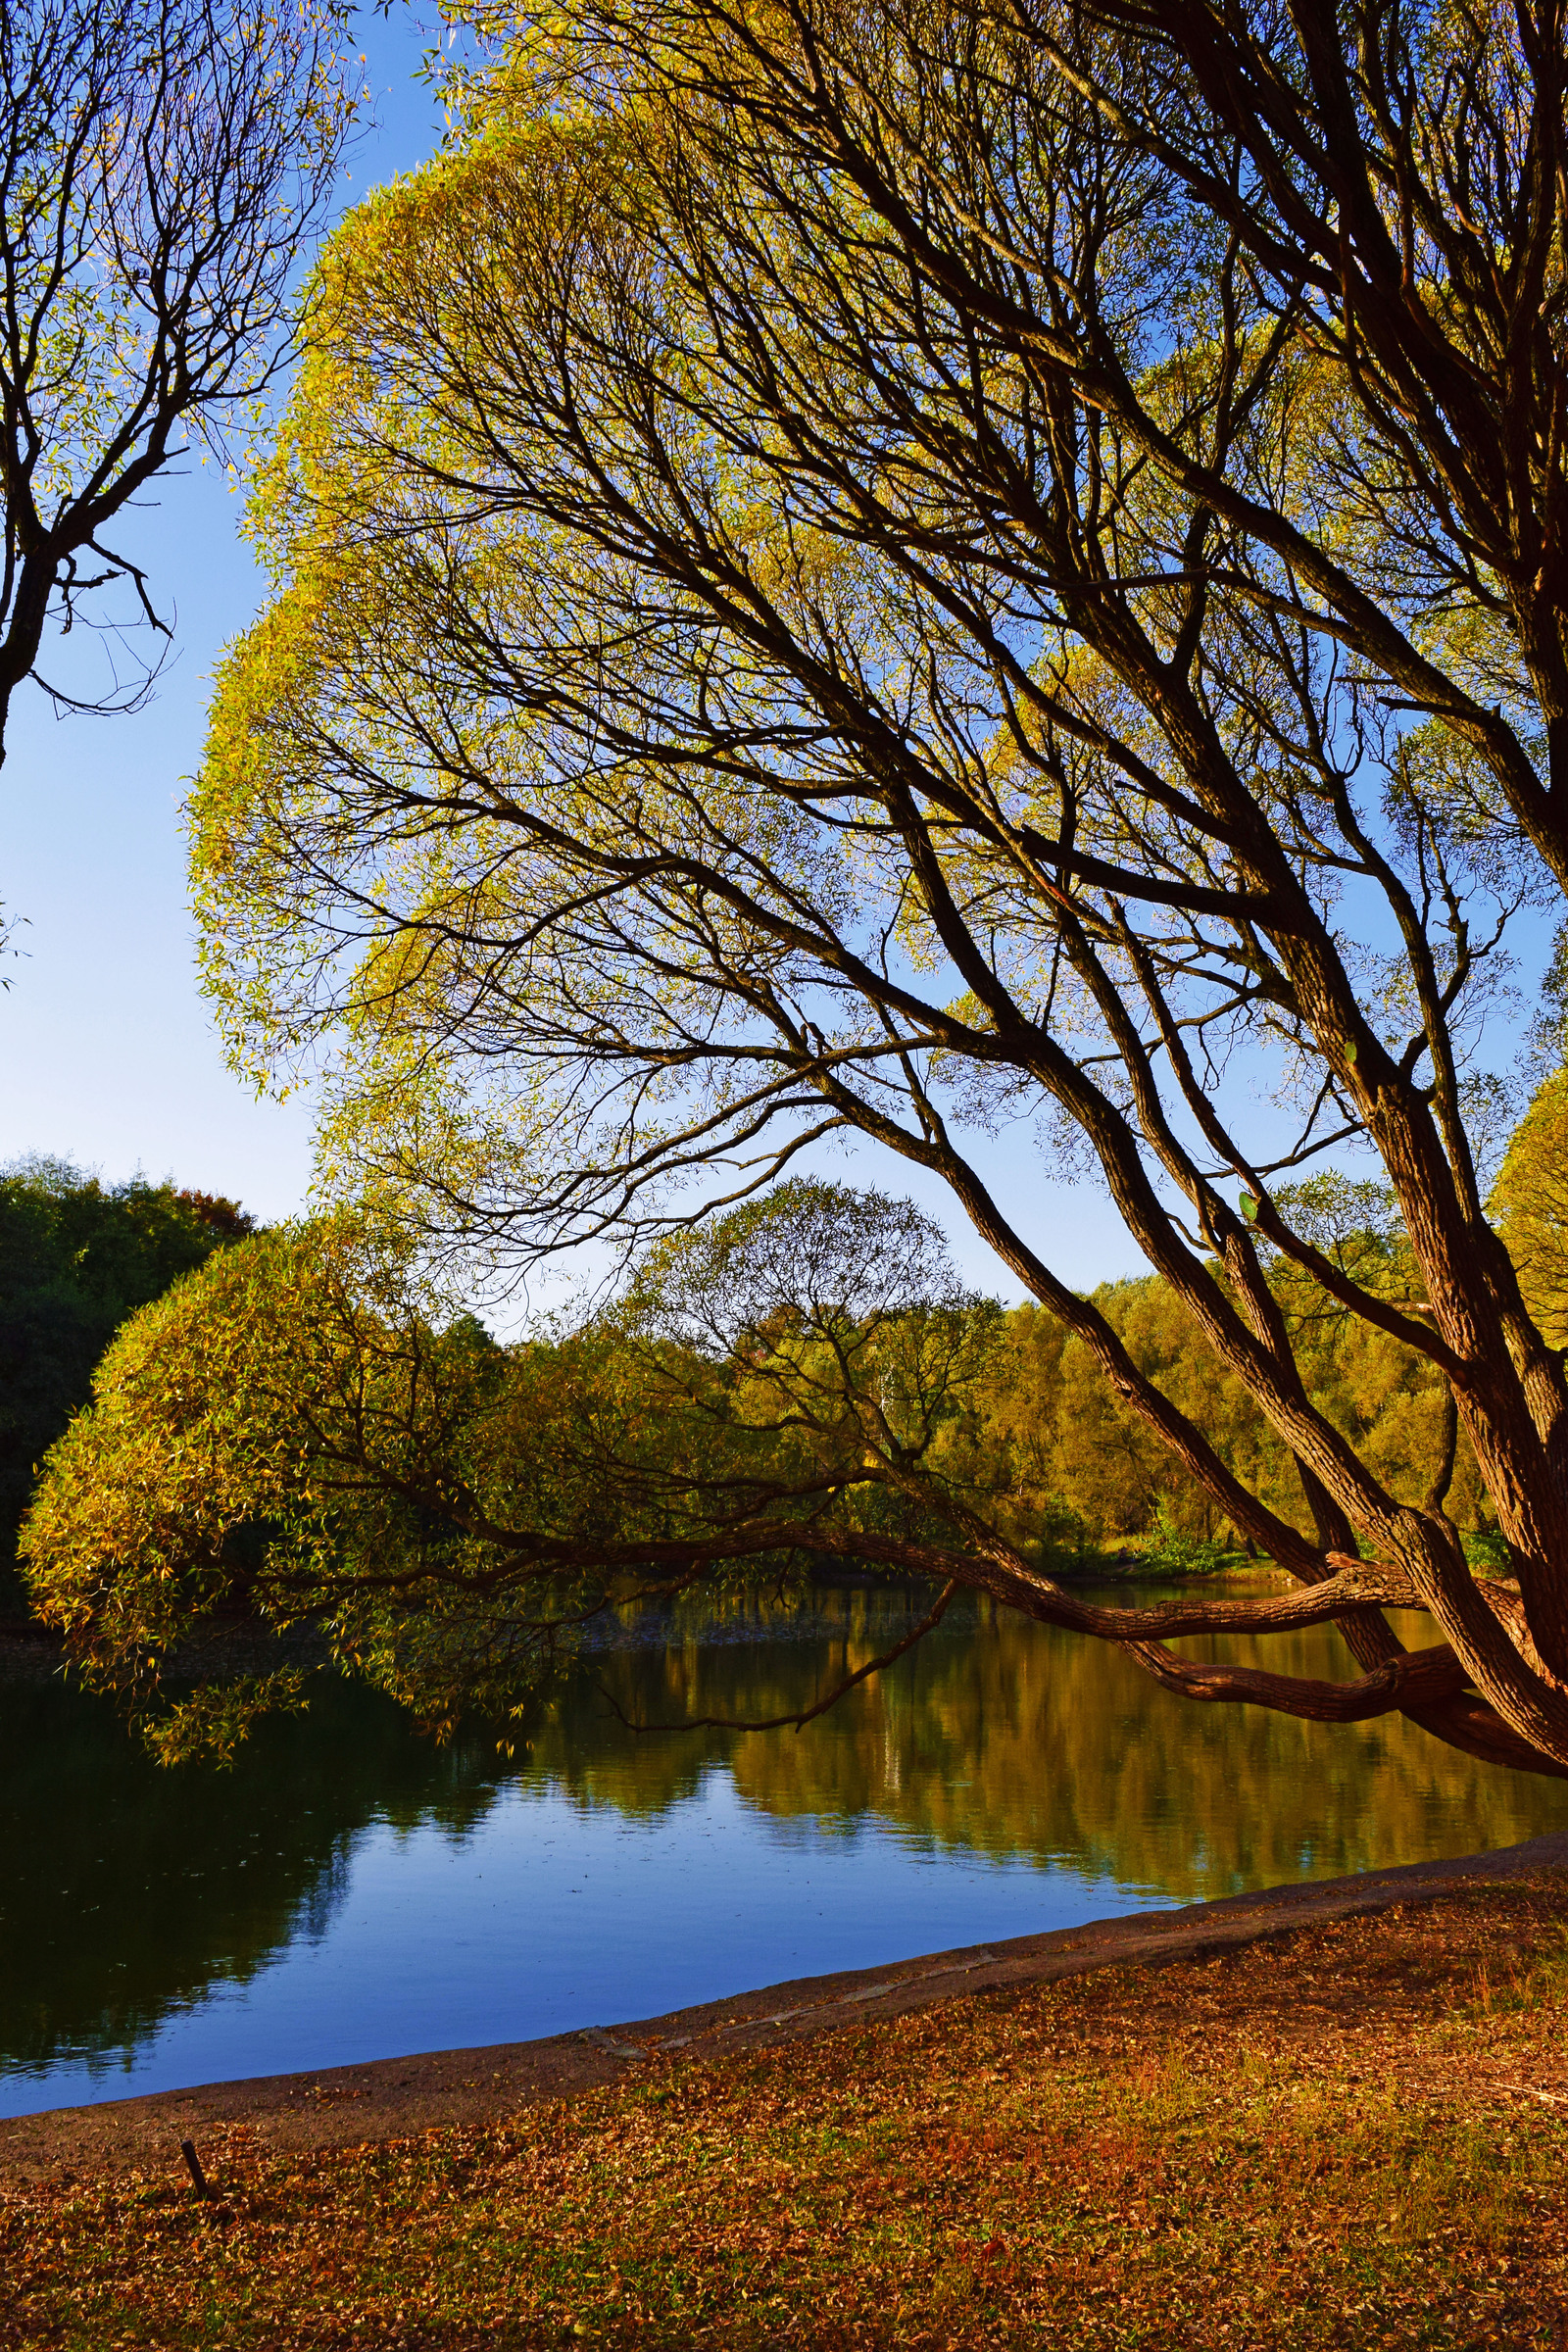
{"x": 351, "y": 1893}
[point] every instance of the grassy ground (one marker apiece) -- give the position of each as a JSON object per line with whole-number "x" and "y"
{"x": 1358, "y": 2139}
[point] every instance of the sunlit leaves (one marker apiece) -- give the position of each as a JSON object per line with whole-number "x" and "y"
{"x": 300, "y": 1430}
{"x": 901, "y": 571}
{"x": 1531, "y": 1202}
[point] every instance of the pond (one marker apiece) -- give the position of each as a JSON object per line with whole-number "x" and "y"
{"x": 351, "y": 1891}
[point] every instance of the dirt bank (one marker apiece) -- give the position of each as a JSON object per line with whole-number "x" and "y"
{"x": 341, "y": 2106}
{"x": 1333, "y": 2123}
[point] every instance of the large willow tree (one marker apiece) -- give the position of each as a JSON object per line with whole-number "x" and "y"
{"x": 894, "y": 570}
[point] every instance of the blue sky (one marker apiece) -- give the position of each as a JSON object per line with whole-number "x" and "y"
{"x": 108, "y": 1055}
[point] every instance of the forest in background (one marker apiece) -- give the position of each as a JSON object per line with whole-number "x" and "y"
{"x": 76, "y": 1257}
{"x": 1069, "y": 1471}
{"x": 1042, "y": 1448}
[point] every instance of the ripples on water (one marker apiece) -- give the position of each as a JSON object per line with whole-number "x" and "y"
{"x": 349, "y": 1891}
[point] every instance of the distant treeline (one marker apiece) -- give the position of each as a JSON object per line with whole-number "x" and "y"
{"x": 76, "y": 1257}
{"x": 1065, "y": 1468}
{"x": 1042, "y": 1445}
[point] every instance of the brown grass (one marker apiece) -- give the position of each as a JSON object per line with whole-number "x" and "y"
{"x": 1355, "y": 2138}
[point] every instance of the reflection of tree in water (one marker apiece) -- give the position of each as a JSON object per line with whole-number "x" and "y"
{"x": 131, "y": 1891}
{"x": 1007, "y": 1740}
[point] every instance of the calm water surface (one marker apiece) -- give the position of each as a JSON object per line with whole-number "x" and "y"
{"x": 349, "y": 1891}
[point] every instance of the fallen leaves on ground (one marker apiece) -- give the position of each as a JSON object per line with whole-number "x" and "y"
{"x": 1355, "y": 2136}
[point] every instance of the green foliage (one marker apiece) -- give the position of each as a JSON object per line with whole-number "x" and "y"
{"x": 76, "y": 1257}
{"x": 835, "y": 573}
{"x": 1530, "y": 1204}
{"x": 1065, "y": 1465}
{"x": 1171, "y": 1551}
{"x": 1486, "y": 1549}
{"x": 299, "y": 1427}
{"x": 293, "y": 1430}
{"x": 843, "y": 1335}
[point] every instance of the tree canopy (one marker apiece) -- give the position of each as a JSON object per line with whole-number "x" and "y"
{"x": 294, "y": 1426}
{"x": 921, "y": 571}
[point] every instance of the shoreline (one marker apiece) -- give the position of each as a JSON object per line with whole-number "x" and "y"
{"x": 392, "y": 2099}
